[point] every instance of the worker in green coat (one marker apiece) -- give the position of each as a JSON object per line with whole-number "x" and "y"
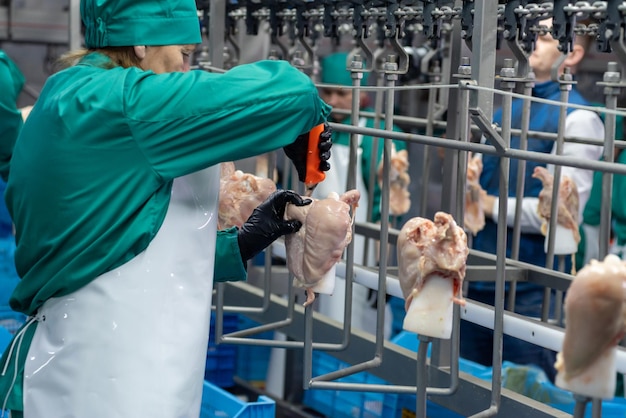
{"x": 589, "y": 247}
{"x": 11, "y": 121}
{"x": 113, "y": 188}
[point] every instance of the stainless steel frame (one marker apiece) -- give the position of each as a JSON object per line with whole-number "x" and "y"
{"x": 470, "y": 91}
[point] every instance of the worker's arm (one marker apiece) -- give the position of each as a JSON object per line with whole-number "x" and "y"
{"x": 530, "y": 222}
{"x": 183, "y": 122}
{"x": 578, "y": 123}
{"x": 583, "y": 124}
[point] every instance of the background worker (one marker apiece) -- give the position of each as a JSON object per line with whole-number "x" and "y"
{"x": 334, "y": 71}
{"x": 113, "y": 189}
{"x": 11, "y": 84}
{"x": 476, "y": 341}
{"x": 589, "y": 246}
{"x": 11, "y": 121}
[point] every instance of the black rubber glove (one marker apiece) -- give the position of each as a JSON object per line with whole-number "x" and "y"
{"x": 267, "y": 223}
{"x": 298, "y": 150}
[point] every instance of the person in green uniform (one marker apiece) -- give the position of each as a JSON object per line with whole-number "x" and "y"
{"x": 113, "y": 185}
{"x": 11, "y": 84}
{"x": 335, "y": 75}
{"x": 333, "y": 71}
{"x": 11, "y": 121}
{"x": 588, "y": 248}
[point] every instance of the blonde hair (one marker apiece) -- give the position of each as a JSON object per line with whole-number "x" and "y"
{"x": 123, "y": 56}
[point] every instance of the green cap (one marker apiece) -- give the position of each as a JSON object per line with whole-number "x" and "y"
{"x": 335, "y": 70}
{"x": 140, "y": 22}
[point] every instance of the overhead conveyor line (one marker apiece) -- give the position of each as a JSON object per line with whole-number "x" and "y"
{"x": 422, "y": 122}
{"x": 520, "y": 17}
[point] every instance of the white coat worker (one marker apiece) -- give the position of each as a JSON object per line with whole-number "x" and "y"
{"x": 113, "y": 189}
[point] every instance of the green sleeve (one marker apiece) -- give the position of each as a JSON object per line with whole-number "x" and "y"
{"x": 210, "y": 118}
{"x": 366, "y": 159}
{"x": 228, "y": 264}
{"x": 591, "y": 212}
{"x": 618, "y": 209}
{"x": 11, "y": 83}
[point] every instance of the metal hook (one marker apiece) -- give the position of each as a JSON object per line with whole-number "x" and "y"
{"x": 523, "y": 67}
{"x": 235, "y": 47}
{"x": 620, "y": 50}
{"x": 366, "y": 53}
{"x": 425, "y": 61}
{"x": 554, "y": 71}
{"x": 295, "y": 56}
{"x": 403, "y": 56}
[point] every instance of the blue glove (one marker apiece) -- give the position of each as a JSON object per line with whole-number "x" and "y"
{"x": 267, "y": 223}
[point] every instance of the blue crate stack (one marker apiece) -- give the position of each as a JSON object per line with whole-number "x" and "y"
{"x": 221, "y": 359}
{"x": 529, "y": 381}
{"x": 11, "y": 320}
{"x": 253, "y": 360}
{"x": 216, "y": 402}
{"x": 348, "y": 404}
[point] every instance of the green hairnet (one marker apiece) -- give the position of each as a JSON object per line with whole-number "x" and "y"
{"x": 140, "y": 22}
{"x": 334, "y": 70}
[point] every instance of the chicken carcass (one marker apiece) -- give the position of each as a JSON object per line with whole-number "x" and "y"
{"x": 474, "y": 219}
{"x": 567, "y": 212}
{"x": 595, "y": 317}
{"x": 399, "y": 180}
{"x": 313, "y": 251}
{"x": 432, "y": 260}
{"x": 240, "y": 194}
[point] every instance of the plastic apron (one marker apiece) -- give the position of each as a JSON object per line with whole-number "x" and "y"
{"x": 133, "y": 342}
{"x": 363, "y": 316}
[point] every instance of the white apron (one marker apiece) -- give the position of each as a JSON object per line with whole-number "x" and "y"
{"x": 363, "y": 316}
{"x": 133, "y": 342}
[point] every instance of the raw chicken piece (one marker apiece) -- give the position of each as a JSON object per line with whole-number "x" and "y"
{"x": 240, "y": 194}
{"x": 326, "y": 231}
{"x": 399, "y": 196}
{"x": 595, "y": 322}
{"x": 474, "y": 219}
{"x": 431, "y": 267}
{"x": 567, "y": 213}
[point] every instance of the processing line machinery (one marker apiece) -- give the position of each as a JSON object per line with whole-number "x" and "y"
{"x": 383, "y": 34}
{"x": 455, "y": 47}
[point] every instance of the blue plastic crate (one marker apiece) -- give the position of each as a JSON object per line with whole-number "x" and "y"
{"x": 534, "y": 383}
{"x": 11, "y": 320}
{"x": 218, "y": 403}
{"x": 221, "y": 359}
{"x": 398, "y": 313}
{"x": 341, "y": 403}
{"x": 350, "y": 404}
{"x": 253, "y": 360}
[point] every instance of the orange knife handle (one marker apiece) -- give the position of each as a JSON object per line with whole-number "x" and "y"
{"x": 313, "y": 173}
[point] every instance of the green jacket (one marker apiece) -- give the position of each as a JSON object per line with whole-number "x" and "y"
{"x": 92, "y": 170}
{"x": 591, "y": 212}
{"x": 11, "y": 83}
{"x": 367, "y": 142}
